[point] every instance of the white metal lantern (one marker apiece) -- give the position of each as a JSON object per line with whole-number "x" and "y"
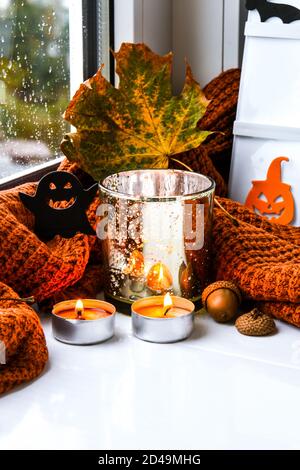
{"x": 265, "y": 170}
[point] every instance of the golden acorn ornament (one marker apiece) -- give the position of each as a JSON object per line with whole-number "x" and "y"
{"x": 222, "y": 300}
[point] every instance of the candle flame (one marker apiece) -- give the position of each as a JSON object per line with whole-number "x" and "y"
{"x": 79, "y": 307}
{"x": 168, "y": 302}
{"x": 160, "y": 272}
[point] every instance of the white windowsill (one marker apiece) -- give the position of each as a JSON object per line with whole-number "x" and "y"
{"x": 217, "y": 390}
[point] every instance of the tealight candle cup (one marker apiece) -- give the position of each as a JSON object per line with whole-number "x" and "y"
{"x": 81, "y": 331}
{"x": 161, "y": 329}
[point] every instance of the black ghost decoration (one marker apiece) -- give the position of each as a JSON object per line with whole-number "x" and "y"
{"x": 287, "y": 13}
{"x": 50, "y": 221}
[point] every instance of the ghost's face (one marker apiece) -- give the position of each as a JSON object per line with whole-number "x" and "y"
{"x": 59, "y": 187}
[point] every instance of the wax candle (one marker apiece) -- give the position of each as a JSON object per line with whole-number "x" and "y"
{"x": 91, "y": 310}
{"x": 163, "y": 223}
{"x": 85, "y": 321}
{"x": 165, "y": 310}
{"x": 159, "y": 278}
{"x": 163, "y": 319}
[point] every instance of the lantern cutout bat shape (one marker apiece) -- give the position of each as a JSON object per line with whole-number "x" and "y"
{"x": 55, "y": 187}
{"x": 267, "y": 10}
{"x": 272, "y": 198}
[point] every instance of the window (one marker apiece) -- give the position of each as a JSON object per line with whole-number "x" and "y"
{"x": 47, "y": 47}
{"x": 44, "y": 45}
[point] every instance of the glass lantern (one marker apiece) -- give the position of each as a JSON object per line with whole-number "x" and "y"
{"x": 155, "y": 230}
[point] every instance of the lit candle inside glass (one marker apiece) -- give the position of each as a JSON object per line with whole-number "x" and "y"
{"x": 159, "y": 278}
{"x": 135, "y": 265}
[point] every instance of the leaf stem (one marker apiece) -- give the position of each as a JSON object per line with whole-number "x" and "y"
{"x": 181, "y": 163}
{"x": 217, "y": 203}
{"x": 27, "y": 300}
{"x": 233, "y": 219}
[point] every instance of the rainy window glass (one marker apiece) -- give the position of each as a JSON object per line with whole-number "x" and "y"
{"x": 34, "y": 81}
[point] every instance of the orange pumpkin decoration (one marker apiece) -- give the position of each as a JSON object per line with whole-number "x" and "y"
{"x": 272, "y": 198}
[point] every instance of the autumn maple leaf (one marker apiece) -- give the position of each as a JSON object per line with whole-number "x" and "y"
{"x": 140, "y": 124}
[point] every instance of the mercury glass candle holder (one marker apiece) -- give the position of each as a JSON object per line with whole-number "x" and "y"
{"x": 155, "y": 230}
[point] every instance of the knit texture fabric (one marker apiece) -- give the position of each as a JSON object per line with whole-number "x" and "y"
{"x": 223, "y": 91}
{"x": 199, "y": 161}
{"x": 262, "y": 258}
{"x": 25, "y": 346}
{"x": 88, "y": 287}
{"x": 283, "y": 311}
{"x": 30, "y": 266}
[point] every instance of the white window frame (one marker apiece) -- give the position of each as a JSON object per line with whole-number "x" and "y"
{"x": 208, "y": 32}
{"x": 76, "y": 45}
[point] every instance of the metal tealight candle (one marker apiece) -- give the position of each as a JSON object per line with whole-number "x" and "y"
{"x": 83, "y": 322}
{"x": 163, "y": 319}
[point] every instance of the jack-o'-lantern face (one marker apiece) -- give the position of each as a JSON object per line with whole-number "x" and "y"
{"x": 272, "y": 198}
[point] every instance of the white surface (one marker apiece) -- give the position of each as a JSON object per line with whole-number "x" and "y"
{"x": 198, "y": 37}
{"x": 207, "y": 33}
{"x": 157, "y": 25}
{"x": 231, "y": 34}
{"x": 218, "y": 389}
{"x": 269, "y": 91}
{"x": 265, "y": 131}
{"x": 124, "y": 30}
{"x": 148, "y": 21}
